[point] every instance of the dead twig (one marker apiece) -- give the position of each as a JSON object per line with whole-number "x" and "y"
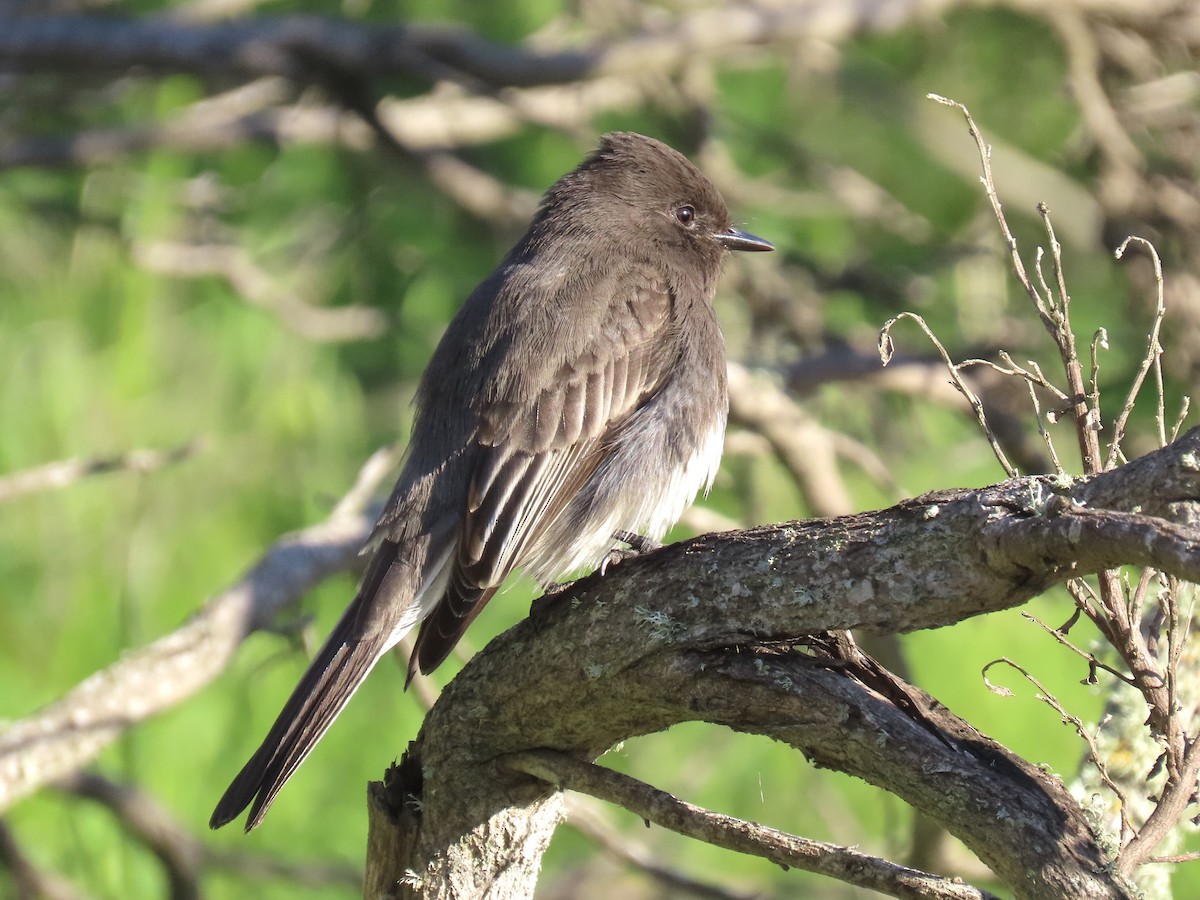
{"x": 887, "y": 350}
{"x": 67, "y": 472}
{"x": 29, "y": 879}
{"x": 661, "y": 808}
{"x": 1055, "y": 704}
{"x": 56, "y": 741}
{"x": 1151, "y": 360}
{"x": 333, "y": 324}
{"x": 591, "y": 819}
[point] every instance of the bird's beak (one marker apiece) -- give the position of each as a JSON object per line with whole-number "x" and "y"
{"x": 736, "y": 239}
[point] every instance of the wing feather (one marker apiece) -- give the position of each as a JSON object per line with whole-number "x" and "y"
{"x": 538, "y": 448}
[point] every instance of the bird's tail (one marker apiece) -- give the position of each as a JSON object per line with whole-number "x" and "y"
{"x": 386, "y": 606}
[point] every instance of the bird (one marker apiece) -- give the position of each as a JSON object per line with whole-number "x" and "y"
{"x": 579, "y": 392}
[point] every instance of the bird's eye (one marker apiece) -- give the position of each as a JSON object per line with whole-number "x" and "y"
{"x": 685, "y": 215}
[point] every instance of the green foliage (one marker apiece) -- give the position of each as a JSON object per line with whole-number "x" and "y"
{"x": 99, "y": 355}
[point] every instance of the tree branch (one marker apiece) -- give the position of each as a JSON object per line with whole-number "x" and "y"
{"x": 28, "y": 879}
{"x": 659, "y": 807}
{"x": 66, "y": 472}
{"x": 180, "y": 854}
{"x": 298, "y": 47}
{"x": 57, "y": 740}
{"x": 593, "y": 820}
{"x": 695, "y": 631}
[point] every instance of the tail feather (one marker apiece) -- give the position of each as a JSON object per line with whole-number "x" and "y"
{"x": 387, "y": 605}
{"x": 445, "y": 626}
{"x": 325, "y": 689}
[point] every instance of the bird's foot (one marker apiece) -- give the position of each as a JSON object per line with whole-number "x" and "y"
{"x": 638, "y": 544}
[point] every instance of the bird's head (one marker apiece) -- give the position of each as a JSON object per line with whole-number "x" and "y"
{"x": 641, "y": 193}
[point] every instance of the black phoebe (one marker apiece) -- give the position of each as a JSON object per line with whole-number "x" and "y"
{"x": 580, "y": 391}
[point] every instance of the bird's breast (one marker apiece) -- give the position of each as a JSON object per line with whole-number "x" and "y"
{"x": 655, "y": 461}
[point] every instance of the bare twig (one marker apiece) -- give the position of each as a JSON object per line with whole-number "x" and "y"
{"x": 1042, "y": 430}
{"x": 57, "y": 740}
{"x": 1086, "y": 416}
{"x": 1054, "y": 316}
{"x": 1091, "y": 658}
{"x": 1177, "y": 858}
{"x": 1184, "y": 408}
{"x": 252, "y": 283}
{"x": 70, "y": 471}
{"x": 139, "y": 814}
{"x": 886, "y": 350}
{"x": 1151, "y": 360}
{"x": 1093, "y": 751}
{"x": 1099, "y": 342}
{"x": 653, "y": 805}
{"x": 1085, "y": 597}
{"x": 591, "y": 819}
{"x": 1032, "y": 376}
{"x": 29, "y": 880}
{"x": 989, "y": 186}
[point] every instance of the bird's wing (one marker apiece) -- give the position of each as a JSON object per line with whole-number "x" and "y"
{"x": 538, "y": 447}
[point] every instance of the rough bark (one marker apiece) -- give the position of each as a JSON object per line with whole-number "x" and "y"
{"x": 705, "y": 629}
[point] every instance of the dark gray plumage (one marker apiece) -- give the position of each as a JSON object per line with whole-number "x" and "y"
{"x": 579, "y": 391}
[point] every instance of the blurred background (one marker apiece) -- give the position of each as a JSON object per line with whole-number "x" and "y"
{"x": 208, "y": 253}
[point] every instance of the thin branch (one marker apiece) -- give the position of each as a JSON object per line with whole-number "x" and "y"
{"x": 1093, "y": 751}
{"x": 887, "y": 350}
{"x": 1091, "y": 658}
{"x": 300, "y": 47}
{"x": 29, "y": 879}
{"x": 1055, "y": 317}
{"x": 1043, "y": 431}
{"x": 989, "y": 186}
{"x": 1184, "y": 408}
{"x": 178, "y": 851}
{"x": 1152, "y": 358}
{"x": 67, "y": 472}
{"x": 591, "y": 819}
{"x": 1099, "y": 342}
{"x": 1085, "y": 596}
{"x": 1086, "y": 417}
{"x": 1033, "y": 375}
{"x": 333, "y": 324}
{"x": 1177, "y": 858}
{"x": 661, "y": 808}
{"x": 59, "y": 739}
